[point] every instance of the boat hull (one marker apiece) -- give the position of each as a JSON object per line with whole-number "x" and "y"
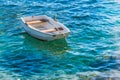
{"x": 44, "y": 36}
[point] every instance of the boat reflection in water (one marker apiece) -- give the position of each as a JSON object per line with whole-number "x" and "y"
{"x": 55, "y": 46}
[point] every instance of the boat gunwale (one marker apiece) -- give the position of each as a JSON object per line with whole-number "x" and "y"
{"x": 27, "y": 25}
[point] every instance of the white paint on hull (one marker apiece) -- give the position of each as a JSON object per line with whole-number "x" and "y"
{"x": 33, "y": 28}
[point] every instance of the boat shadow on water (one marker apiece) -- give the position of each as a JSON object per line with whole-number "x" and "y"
{"x": 56, "y": 46}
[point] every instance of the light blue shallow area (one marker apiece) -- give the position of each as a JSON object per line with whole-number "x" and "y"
{"x": 91, "y": 52}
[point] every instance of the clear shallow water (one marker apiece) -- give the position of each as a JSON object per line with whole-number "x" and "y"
{"x": 92, "y": 51}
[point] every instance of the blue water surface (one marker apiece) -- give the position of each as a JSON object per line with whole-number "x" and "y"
{"x": 91, "y": 52}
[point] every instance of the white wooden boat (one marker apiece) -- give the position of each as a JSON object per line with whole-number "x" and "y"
{"x": 44, "y": 27}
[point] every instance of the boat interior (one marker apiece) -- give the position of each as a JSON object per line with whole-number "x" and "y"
{"x": 45, "y": 26}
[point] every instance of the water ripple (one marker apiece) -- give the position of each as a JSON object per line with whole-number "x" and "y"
{"x": 91, "y": 52}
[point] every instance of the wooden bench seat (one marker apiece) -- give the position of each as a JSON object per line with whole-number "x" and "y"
{"x": 52, "y": 30}
{"x": 33, "y": 22}
{"x": 48, "y": 30}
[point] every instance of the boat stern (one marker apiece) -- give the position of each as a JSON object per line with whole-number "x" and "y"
{"x": 59, "y": 36}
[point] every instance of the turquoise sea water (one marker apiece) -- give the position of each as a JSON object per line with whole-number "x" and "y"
{"x": 91, "y": 52}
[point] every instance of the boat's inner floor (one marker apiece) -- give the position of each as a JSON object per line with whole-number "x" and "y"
{"x": 46, "y": 27}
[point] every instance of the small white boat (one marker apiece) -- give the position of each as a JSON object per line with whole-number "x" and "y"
{"x": 44, "y": 27}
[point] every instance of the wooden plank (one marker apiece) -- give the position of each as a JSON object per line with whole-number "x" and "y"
{"x": 49, "y": 30}
{"x": 33, "y": 22}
